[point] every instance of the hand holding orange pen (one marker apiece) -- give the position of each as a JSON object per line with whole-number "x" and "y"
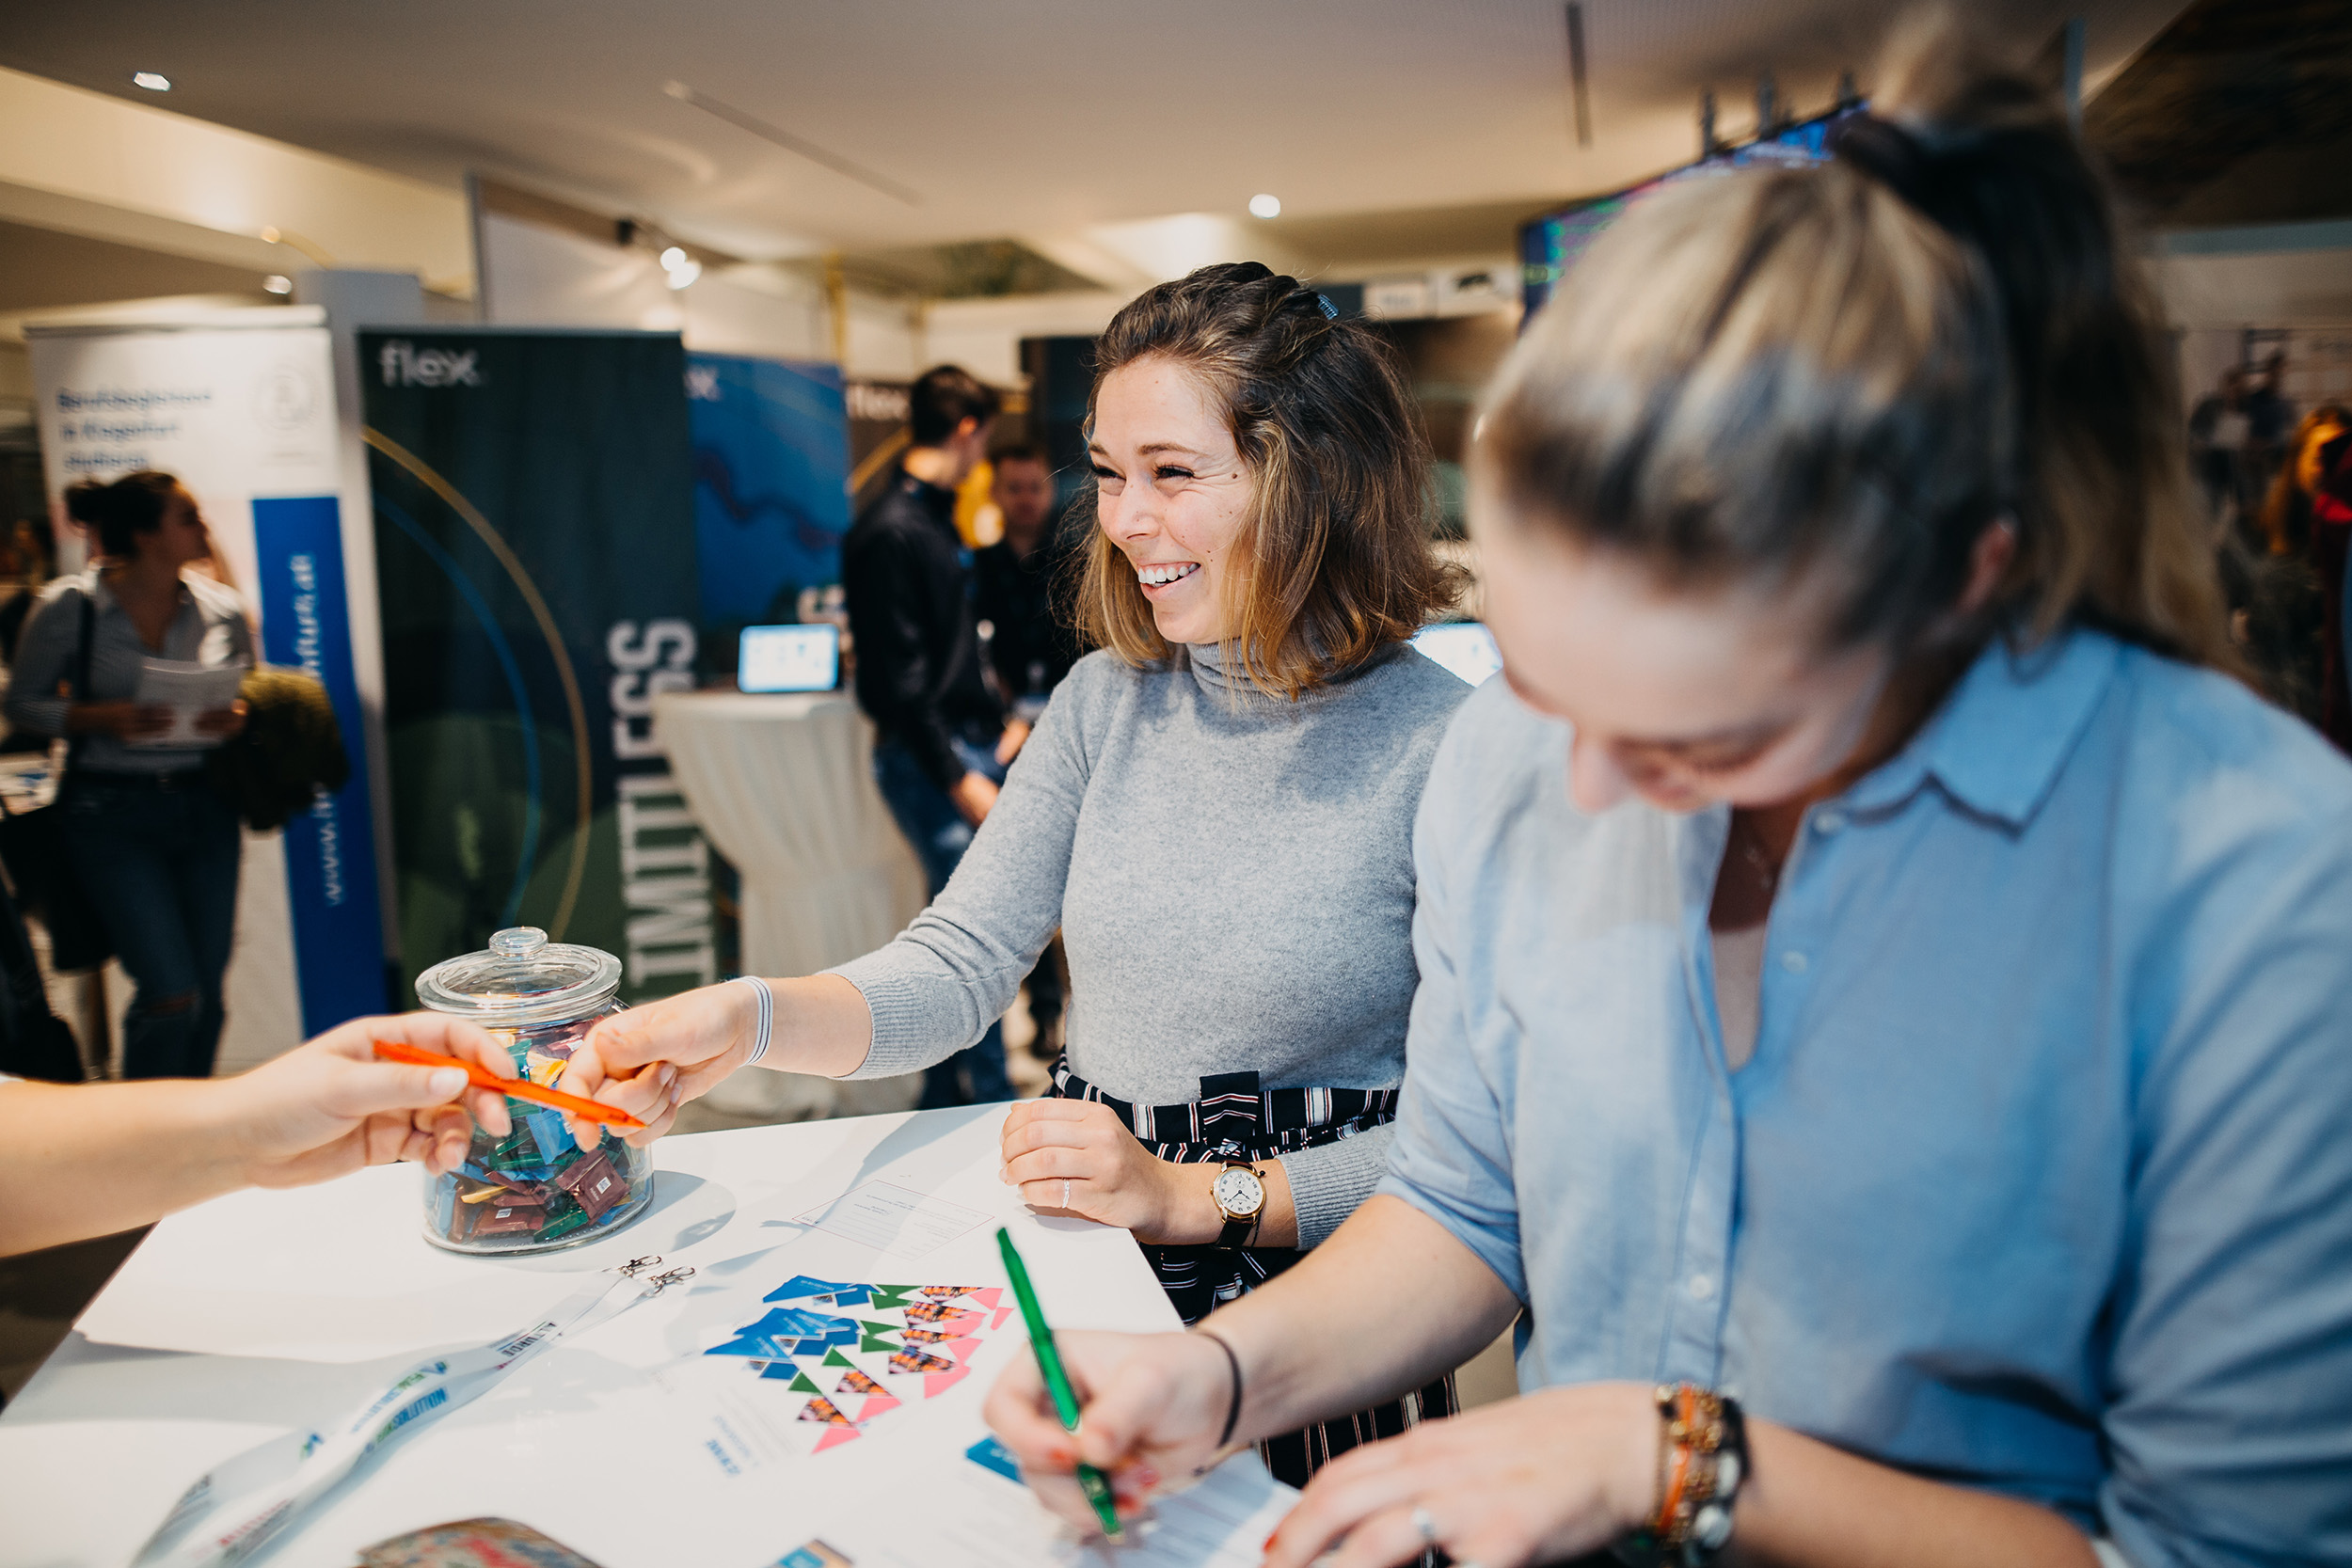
{"x": 517, "y": 1088}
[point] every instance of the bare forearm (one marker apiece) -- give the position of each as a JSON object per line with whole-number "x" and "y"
{"x": 1289, "y": 1332}
{"x": 823, "y": 1027}
{"x": 89, "y": 1160}
{"x": 1808, "y": 1505}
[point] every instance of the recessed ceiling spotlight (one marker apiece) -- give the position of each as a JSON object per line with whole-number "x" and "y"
{"x": 673, "y": 259}
{"x": 278, "y": 283}
{"x": 151, "y": 81}
{"x": 1265, "y": 206}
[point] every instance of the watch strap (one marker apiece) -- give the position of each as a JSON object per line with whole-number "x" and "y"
{"x": 1238, "y": 1231}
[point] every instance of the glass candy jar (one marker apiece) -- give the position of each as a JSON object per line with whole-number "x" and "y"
{"x": 533, "y": 1190}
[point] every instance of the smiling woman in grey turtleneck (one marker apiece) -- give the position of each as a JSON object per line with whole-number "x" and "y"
{"x": 1217, "y": 810}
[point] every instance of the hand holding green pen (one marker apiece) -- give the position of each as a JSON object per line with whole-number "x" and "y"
{"x": 1093, "y": 1481}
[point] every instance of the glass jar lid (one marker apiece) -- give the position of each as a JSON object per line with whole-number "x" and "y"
{"x": 522, "y": 978}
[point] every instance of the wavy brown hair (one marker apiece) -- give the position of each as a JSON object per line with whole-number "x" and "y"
{"x": 1860, "y": 366}
{"x": 1334, "y": 562}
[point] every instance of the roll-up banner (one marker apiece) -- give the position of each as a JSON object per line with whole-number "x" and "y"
{"x": 239, "y": 405}
{"x": 771, "y": 500}
{"x": 536, "y": 556}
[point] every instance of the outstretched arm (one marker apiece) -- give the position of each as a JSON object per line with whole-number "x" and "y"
{"x": 919, "y": 1000}
{"x": 91, "y": 1159}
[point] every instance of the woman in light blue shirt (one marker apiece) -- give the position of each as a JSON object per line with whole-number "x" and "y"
{"x": 1875, "y": 974}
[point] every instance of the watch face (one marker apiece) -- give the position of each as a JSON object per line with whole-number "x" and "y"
{"x": 1239, "y": 1193}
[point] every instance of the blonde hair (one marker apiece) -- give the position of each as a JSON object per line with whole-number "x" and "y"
{"x": 1860, "y": 365}
{"x": 1334, "y": 563}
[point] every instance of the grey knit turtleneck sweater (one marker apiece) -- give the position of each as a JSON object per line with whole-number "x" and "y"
{"x": 1234, "y": 879}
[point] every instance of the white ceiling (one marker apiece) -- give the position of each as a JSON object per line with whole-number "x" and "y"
{"x": 1045, "y": 119}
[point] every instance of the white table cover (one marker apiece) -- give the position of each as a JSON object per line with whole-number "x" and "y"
{"x": 784, "y": 785}
{"x": 242, "y": 1317}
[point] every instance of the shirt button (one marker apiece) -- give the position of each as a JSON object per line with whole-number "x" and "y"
{"x": 1793, "y": 961}
{"x": 1828, "y": 822}
{"x": 1701, "y": 1286}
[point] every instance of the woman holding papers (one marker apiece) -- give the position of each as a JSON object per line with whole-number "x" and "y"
{"x": 1215, "y": 810}
{"x": 155, "y": 847}
{"x": 1886, "y": 997}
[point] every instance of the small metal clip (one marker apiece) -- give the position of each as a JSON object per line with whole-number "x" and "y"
{"x": 662, "y": 1282}
{"x": 636, "y": 1266}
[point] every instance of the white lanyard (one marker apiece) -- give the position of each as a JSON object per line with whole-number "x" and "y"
{"x": 243, "y": 1503}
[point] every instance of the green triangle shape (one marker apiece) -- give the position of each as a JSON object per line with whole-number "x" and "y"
{"x": 834, "y": 1358}
{"x": 800, "y": 1384}
{"x": 871, "y": 1329}
{"x": 873, "y": 1344}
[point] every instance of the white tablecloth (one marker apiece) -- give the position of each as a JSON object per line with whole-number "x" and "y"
{"x": 242, "y": 1317}
{"x": 784, "y": 785}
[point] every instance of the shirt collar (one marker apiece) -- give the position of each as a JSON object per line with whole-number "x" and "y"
{"x": 2000, "y": 740}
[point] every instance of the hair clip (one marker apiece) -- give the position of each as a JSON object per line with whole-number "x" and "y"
{"x": 1330, "y": 312}
{"x": 662, "y": 1282}
{"x": 636, "y": 1266}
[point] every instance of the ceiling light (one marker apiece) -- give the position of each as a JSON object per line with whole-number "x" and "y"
{"x": 1265, "y": 206}
{"x": 681, "y": 276}
{"x": 673, "y": 259}
{"x": 278, "y": 283}
{"x": 151, "y": 80}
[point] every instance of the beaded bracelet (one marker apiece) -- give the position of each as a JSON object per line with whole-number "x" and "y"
{"x": 1702, "y": 1459}
{"x": 767, "y": 1015}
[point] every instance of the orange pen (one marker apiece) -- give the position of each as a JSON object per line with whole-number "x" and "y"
{"x": 513, "y": 1089}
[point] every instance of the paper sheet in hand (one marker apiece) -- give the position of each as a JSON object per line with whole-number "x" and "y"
{"x": 187, "y": 689}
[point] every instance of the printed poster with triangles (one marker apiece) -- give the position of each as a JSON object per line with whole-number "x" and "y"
{"x": 828, "y": 1358}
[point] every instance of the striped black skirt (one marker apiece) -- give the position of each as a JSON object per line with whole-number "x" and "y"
{"x": 1233, "y": 1111}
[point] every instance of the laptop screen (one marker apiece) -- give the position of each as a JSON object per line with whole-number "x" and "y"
{"x": 790, "y": 659}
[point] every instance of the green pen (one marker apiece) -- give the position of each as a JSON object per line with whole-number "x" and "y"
{"x": 1093, "y": 1481}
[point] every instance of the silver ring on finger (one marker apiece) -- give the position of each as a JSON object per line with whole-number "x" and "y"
{"x": 1065, "y": 1192}
{"x": 1425, "y": 1527}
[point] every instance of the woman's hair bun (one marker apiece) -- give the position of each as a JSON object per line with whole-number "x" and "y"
{"x": 86, "y": 502}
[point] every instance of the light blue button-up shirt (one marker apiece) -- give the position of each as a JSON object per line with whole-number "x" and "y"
{"x": 2039, "y": 1178}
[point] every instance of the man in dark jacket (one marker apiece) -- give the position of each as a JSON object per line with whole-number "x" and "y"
{"x": 942, "y": 745}
{"x": 1029, "y": 647}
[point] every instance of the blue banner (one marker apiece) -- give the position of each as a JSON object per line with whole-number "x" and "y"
{"x": 330, "y": 850}
{"x": 771, "y": 467}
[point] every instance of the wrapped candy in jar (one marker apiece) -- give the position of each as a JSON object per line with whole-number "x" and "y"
{"x": 535, "y": 1189}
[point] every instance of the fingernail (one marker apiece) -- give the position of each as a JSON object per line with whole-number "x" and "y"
{"x": 446, "y": 1081}
{"x": 669, "y": 1074}
{"x": 1147, "y": 1477}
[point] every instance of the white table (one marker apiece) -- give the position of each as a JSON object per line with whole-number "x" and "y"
{"x": 784, "y": 785}
{"x": 242, "y": 1318}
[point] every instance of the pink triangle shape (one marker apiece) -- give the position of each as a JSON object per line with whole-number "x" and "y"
{"x": 962, "y": 1323}
{"x": 964, "y": 1348}
{"x": 1002, "y": 1313}
{"x": 936, "y": 1384}
{"x": 834, "y": 1438}
{"x": 875, "y": 1405}
{"x": 987, "y": 1297}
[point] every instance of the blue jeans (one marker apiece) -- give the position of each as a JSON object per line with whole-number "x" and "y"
{"x": 160, "y": 863}
{"x": 939, "y": 835}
